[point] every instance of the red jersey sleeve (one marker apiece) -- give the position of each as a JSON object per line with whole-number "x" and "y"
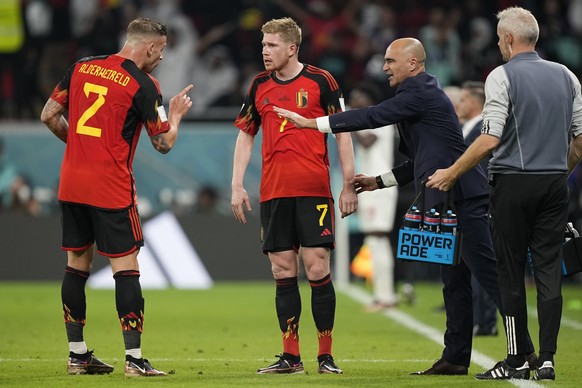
{"x": 61, "y": 92}
{"x": 249, "y": 119}
{"x": 330, "y": 92}
{"x": 153, "y": 114}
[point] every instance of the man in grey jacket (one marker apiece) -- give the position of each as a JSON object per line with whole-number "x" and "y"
{"x": 532, "y": 120}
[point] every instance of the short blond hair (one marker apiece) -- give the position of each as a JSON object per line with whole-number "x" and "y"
{"x": 141, "y": 27}
{"x": 286, "y": 27}
{"x": 521, "y": 23}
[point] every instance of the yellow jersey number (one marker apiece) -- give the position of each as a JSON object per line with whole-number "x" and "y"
{"x": 101, "y": 92}
{"x": 282, "y": 127}
{"x": 323, "y": 209}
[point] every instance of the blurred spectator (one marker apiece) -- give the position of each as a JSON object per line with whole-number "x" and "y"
{"x": 378, "y": 26}
{"x": 329, "y": 32}
{"x": 95, "y": 26}
{"x": 559, "y": 40}
{"x": 454, "y": 94}
{"x": 8, "y": 177}
{"x": 340, "y": 35}
{"x": 207, "y": 201}
{"x": 376, "y": 209}
{"x": 215, "y": 79}
{"x": 442, "y": 45}
{"x": 15, "y": 191}
{"x": 574, "y": 13}
{"x": 180, "y": 52}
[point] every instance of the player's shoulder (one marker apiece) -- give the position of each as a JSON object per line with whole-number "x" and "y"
{"x": 319, "y": 73}
{"x": 93, "y": 58}
{"x": 263, "y": 76}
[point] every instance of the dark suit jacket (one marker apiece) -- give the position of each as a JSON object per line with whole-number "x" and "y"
{"x": 471, "y": 137}
{"x": 429, "y": 135}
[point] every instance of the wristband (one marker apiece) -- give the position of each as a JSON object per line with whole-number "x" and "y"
{"x": 380, "y": 182}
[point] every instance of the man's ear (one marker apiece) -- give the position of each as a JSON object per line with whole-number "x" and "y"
{"x": 413, "y": 64}
{"x": 150, "y": 48}
{"x": 292, "y": 50}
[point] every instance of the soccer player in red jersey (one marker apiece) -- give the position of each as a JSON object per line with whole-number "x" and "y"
{"x": 296, "y": 205}
{"x": 109, "y": 98}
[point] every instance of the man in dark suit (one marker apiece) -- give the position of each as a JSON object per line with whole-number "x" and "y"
{"x": 469, "y": 110}
{"x": 431, "y": 138}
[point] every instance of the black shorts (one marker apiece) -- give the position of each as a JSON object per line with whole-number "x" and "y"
{"x": 289, "y": 223}
{"x": 116, "y": 232}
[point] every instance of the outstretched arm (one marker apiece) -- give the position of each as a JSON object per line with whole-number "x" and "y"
{"x": 444, "y": 179}
{"x": 298, "y": 120}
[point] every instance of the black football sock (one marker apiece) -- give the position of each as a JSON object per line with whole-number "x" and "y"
{"x": 323, "y": 303}
{"x": 323, "y": 309}
{"x": 74, "y": 302}
{"x": 288, "y": 306}
{"x": 130, "y": 307}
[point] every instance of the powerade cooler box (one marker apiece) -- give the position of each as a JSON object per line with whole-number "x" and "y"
{"x": 428, "y": 247}
{"x": 429, "y": 237}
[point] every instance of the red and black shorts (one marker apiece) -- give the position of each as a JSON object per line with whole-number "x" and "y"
{"x": 288, "y": 223}
{"x": 116, "y": 232}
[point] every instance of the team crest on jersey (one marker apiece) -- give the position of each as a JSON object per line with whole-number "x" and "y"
{"x": 301, "y": 98}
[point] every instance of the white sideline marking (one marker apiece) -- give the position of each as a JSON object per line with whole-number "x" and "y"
{"x": 429, "y": 332}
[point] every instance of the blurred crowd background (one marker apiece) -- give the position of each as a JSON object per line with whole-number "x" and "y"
{"x": 216, "y": 45}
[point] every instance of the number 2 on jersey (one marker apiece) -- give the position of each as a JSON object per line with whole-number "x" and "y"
{"x": 101, "y": 91}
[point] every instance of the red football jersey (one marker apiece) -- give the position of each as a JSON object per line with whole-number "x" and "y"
{"x": 109, "y": 99}
{"x": 295, "y": 161}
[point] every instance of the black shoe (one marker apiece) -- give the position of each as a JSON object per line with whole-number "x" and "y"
{"x": 327, "y": 365}
{"x": 141, "y": 367}
{"x": 502, "y": 371}
{"x": 532, "y": 360}
{"x": 443, "y": 367}
{"x": 284, "y": 365}
{"x": 87, "y": 364}
{"x": 545, "y": 372}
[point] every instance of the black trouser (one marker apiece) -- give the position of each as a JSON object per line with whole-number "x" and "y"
{"x": 477, "y": 257}
{"x": 529, "y": 211}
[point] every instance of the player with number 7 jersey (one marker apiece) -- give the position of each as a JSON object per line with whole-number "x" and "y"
{"x": 296, "y": 205}
{"x": 295, "y": 162}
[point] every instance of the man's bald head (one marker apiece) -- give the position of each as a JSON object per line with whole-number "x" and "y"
{"x": 404, "y": 58}
{"x": 412, "y": 47}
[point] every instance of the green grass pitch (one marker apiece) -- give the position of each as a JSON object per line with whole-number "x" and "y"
{"x": 219, "y": 337}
